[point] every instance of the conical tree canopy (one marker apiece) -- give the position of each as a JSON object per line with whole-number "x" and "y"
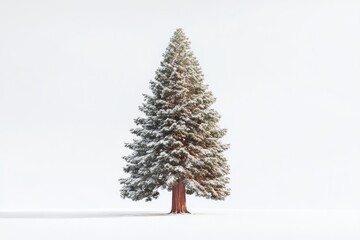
{"x": 178, "y": 139}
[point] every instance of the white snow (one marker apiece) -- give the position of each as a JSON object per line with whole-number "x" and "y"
{"x": 202, "y": 224}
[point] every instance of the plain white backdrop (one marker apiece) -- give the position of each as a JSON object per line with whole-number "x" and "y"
{"x": 285, "y": 74}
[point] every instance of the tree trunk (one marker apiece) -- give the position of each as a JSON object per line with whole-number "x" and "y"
{"x": 179, "y": 198}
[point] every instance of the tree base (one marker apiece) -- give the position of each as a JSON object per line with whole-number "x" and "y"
{"x": 178, "y": 199}
{"x": 186, "y": 212}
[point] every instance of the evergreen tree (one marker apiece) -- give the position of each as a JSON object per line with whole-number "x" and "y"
{"x": 178, "y": 144}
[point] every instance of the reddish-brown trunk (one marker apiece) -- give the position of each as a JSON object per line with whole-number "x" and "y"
{"x": 178, "y": 199}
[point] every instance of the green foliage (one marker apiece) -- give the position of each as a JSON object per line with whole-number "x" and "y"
{"x": 179, "y": 137}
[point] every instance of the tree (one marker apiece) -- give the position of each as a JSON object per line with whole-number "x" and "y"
{"x": 178, "y": 144}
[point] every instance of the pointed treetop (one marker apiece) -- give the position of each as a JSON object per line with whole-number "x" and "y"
{"x": 179, "y": 31}
{"x": 179, "y": 35}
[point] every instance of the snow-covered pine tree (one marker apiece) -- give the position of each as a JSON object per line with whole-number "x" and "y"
{"x": 178, "y": 144}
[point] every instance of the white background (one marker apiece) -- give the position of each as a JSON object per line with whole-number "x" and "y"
{"x": 285, "y": 74}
